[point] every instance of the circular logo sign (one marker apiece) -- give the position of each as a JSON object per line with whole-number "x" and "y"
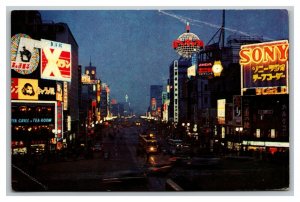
{"x": 24, "y": 54}
{"x": 187, "y": 44}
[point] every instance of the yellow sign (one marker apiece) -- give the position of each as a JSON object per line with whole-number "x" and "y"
{"x": 29, "y": 89}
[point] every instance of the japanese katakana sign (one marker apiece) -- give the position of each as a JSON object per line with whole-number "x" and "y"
{"x": 265, "y": 65}
{"x": 32, "y": 89}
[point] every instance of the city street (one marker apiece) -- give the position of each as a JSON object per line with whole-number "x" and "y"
{"x": 124, "y": 170}
{"x": 150, "y": 100}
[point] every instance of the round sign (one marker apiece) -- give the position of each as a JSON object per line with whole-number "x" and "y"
{"x": 187, "y": 44}
{"x": 23, "y": 55}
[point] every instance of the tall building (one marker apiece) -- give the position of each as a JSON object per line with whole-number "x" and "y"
{"x": 178, "y": 91}
{"x": 156, "y": 100}
{"x": 52, "y": 92}
{"x": 104, "y": 101}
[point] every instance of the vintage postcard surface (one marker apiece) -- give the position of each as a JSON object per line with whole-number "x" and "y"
{"x": 149, "y": 100}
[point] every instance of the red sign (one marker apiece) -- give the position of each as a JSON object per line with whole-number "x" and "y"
{"x": 205, "y": 69}
{"x": 187, "y": 42}
{"x": 56, "y": 61}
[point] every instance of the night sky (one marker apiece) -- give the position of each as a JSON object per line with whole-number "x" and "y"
{"x": 132, "y": 49}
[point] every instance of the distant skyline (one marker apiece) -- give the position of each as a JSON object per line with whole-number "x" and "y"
{"x": 132, "y": 49}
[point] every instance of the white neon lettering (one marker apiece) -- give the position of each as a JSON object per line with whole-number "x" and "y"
{"x": 51, "y": 66}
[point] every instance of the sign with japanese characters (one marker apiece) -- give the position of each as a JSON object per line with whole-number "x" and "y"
{"x": 24, "y": 54}
{"x": 265, "y": 65}
{"x": 32, "y": 89}
{"x": 205, "y": 69}
{"x": 56, "y": 61}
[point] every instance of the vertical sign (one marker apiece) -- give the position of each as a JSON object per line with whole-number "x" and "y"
{"x": 221, "y": 111}
{"x": 65, "y": 95}
{"x": 284, "y": 119}
{"x": 237, "y": 109}
{"x": 175, "y": 87}
{"x": 246, "y": 112}
{"x": 59, "y": 122}
{"x": 59, "y": 92}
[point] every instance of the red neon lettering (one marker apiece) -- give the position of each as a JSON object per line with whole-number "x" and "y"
{"x": 264, "y": 53}
{"x": 257, "y": 55}
{"x": 177, "y": 43}
{"x": 283, "y": 50}
{"x": 245, "y": 56}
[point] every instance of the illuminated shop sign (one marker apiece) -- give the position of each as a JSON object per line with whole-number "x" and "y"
{"x": 237, "y": 109}
{"x": 59, "y": 92}
{"x": 32, "y": 120}
{"x": 56, "y": 61}
{"x": 24, "y": 54}
{"x": 32, "y": 113}
{"x": 191, "y": 71}
{"x": 177, "y": 43}
{"x": 265, "y": 65}
{"x": 221, "y": 111}
{"x": 59, "y": 120}
{"x": 32, "y": 89}
{"x": 205, "y": 69}
{"x": 65, "y": 95}
{"x": 86, "y": 79}
{"x": 266, "y": 144}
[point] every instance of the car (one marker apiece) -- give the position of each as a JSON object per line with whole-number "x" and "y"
{"x": 159, "y": 169}
{"x": 97, "y": 147}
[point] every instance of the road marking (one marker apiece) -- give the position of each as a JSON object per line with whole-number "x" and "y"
{"x": 30, "y": 177}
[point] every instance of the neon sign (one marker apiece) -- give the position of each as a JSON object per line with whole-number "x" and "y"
{"x": 197, "y": 42}
{"x": 265, "y": 53}
{"x": 187, "y": 44}
{"x": 24, "y": 54}
{"x": 265, "y": 65}
{"x": 55, "y": 61}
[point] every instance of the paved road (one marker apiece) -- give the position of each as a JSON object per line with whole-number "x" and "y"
{"x": 96, "y": 174}
{"x": 99, "y": 174}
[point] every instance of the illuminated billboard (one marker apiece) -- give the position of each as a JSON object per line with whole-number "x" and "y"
{"x": 32, "y": 113}
{"x": 221, "y": 111}
{"x": 237, "y": 110}
{"x": 191, "y": 71}
{"x": 55, "y": 61}
{"x": 86, "y": 80}
{"x": 24, "y": 54}
{"x": 32, "y": 89}
{"x": 205, "y": 69}
{"x": 265, "y": 67}
{"x": 65, "y": 95}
